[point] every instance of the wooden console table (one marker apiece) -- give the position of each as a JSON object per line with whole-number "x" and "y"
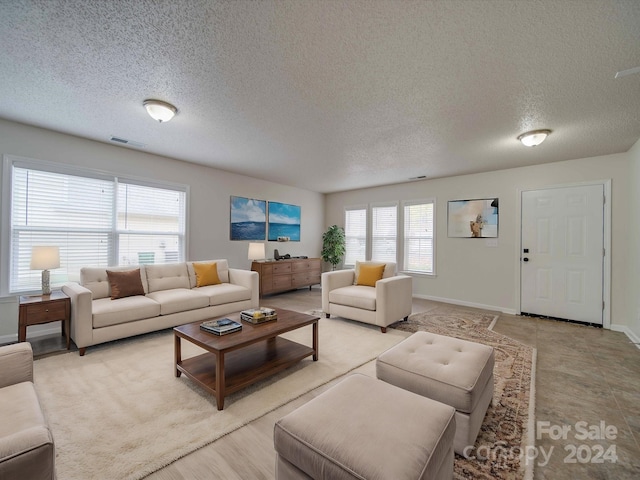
{"x": 282, "y": 275}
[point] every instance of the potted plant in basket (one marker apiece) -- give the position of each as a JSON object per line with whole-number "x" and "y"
{"x": 333, "y": 245}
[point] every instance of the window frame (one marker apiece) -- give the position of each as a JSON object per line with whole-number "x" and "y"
{"x": 401, "y": 254}
{"x": 370, "y": 234}
{"x": 353, "y": 208}
{"x": 400, "y": 232}
{"x": 9, "y": 162}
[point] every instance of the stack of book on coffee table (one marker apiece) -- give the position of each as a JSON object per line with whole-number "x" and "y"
{"x": 259, "y": 315}
{"x": 221, "y": 326}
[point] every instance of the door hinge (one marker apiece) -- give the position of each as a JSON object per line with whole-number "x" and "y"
{"x": 603, "y": 305}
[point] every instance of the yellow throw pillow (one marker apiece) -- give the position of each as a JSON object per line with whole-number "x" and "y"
{"x": 370, "y": 274}
{"x": 357, "y": 268}
{"x": 206, "y": 274}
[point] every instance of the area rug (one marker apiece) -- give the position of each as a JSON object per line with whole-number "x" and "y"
{"x": 119, "y": 412}
{"x": 507, "y": 429}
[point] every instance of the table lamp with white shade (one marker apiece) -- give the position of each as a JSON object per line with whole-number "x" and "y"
{"x": 45, "y": 258}
{"x": 256, "y": 251}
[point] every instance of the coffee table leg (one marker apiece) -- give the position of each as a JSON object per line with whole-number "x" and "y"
{"x": 177, "y": 353}
{"x": 220, "y": 380}
{"x": 315, "y": 341}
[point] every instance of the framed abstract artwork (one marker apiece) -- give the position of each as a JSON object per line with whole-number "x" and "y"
{"x": 284, "y": 222}
{"x": 476, "y": 218}
{"x": 248, "y": 219}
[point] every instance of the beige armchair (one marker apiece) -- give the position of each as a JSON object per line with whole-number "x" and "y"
{"x": 383, "y": 304}
{"x": 26, "y": 443}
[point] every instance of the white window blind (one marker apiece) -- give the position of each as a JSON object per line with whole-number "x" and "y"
{"x": 384, "y": 232}
{"x": 355, "y": 232}
{"x": 150, "y": 224}
{"x": 95, "y": 220}
{"x": 418, "y": 237}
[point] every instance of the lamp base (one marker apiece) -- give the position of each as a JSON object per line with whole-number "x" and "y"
{"x": 46, "y": 286}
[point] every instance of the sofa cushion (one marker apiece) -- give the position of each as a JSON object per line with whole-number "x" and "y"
{"x": 20, "y": 409}
{"x": 167, "y": 276}
{"x": 96, "y": 280}
{"x": 108, "y": 312}
{"x": 179, "y": 300}
{"x": 206, "y": 274}
{"x": 370, "y": 274}
{"x": 225, "y": 293}
{"x": 27, "y": 442}
{"x": 221, "y": 264}
{"x": 125, "y": 284}
{"x": 355, "y": 296}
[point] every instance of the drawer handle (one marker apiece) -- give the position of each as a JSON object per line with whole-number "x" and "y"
{"x": 47, "y": 310}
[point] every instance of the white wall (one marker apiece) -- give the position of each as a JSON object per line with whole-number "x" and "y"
{"x": 470, "y": 272}
{"x": 210, "y": 190}
{"x": 633, "y": 224}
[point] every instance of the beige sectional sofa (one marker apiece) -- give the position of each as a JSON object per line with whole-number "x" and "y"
{"x": 170, "y": 298}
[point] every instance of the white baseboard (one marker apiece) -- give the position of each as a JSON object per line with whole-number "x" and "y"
{"x": 628, "y": 332}
{"x": 462, "y": 303}
{"x": 34, "y": 332}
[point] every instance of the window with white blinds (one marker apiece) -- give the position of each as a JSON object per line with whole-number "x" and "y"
{"x": 384, "y": 233}
{"x": 355, "y": 232}
{"x": 418, "y": 237}
{"x": 150, "y": 224}
{"x": 94, "y": 219}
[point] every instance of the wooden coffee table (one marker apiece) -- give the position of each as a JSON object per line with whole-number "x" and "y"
{"x": 236, "y": 360}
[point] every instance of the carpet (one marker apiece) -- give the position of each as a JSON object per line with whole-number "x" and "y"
{"x": 120, "y": 413}
{"x": 507, "y": 429}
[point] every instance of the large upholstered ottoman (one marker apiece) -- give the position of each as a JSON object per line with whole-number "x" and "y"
{"x": 363, "y": 428}
{"x": 449, "y": 370}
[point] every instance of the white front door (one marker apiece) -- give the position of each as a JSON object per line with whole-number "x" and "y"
{"x": 562, "y": 253}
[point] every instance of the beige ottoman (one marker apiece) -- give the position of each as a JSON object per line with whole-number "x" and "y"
{"x": 446, "y": 369}
{"x": 363, "y": 428}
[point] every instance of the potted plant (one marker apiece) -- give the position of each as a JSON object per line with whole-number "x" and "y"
{"x": 333, "y": 245}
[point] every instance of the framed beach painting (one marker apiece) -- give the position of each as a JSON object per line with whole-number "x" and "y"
{"x": 248, "y": 219}
{"x": 476, "y": 218}
{"x": 284, "y": 222}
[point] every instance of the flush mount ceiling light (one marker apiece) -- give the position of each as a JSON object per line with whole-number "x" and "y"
{"x": 534, "y": 137}
{"x": 159, "y": 110}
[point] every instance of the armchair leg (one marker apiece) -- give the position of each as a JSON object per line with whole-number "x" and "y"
{"x": 406, "y": 318}
{"x": 82, "y": 351}
{"x": 383, "y": 329}
{"x": 327, "y": 315}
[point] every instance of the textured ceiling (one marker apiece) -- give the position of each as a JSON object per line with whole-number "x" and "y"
{"x": 330, "y": 95}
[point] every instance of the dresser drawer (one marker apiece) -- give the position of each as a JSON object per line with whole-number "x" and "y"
{"x": 266, "y": 281}
{"x": 279, "y": 268}
{"x": 305, "y": 265}
{"x": 46, "y": 312}
{"x": 281, "y": 282}
{"x": 267, "y": 269}
{"x": 305, "y": 279}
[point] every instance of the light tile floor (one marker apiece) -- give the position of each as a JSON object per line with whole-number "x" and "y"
{"x": 587, "y": 399}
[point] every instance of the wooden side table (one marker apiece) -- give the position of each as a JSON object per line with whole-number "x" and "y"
{"x": 38, "y": 309}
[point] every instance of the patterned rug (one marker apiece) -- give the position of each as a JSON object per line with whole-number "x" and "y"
{"x": 507, "y": 429}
